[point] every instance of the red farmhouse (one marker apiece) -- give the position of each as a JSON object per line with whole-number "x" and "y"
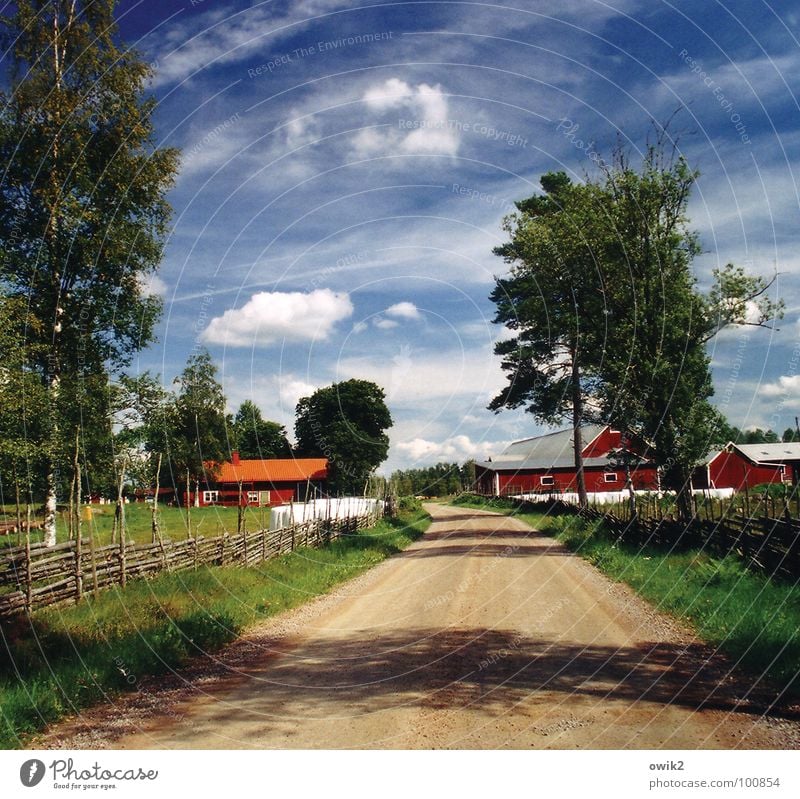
{"x": 546, "y": 465}
{"x": 276, "y": 481}
{"x": 741, "y": 466}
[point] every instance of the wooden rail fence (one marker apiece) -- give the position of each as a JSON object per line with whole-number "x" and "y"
{"x": 36, "y": 576}
{"x": 770, "y": 544}
{"x": 765, "y": 543}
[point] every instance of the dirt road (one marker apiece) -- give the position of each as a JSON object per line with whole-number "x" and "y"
{"x": 484, "y": 634}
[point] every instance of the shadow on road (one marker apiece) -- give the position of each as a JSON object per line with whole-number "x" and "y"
{"x": 488, "y": 670}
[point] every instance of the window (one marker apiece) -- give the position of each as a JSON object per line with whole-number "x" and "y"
{"x": 210, "y": 497}
{"x": 610, "y": 477}
{"x": 546, "y": 480}
{"x": 252, "y": 497}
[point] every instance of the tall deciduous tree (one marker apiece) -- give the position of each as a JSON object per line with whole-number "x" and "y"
{"x": 198, "y": 436}
{"x": 655, "y": 377}
{"x": 256, "y": 437}
{"x": 347, "y": 424}
{"x": 605, "y": 308}
{"x": 83, "y": 212}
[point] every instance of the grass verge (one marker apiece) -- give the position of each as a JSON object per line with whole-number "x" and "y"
{"x": 63, "y": 659}
{"x": 753, "y": 619}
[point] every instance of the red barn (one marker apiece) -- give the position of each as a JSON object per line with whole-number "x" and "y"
{"x": 740, "y": 466}
{"x": 275, "y": 481}
{"x": 546, "y": 464}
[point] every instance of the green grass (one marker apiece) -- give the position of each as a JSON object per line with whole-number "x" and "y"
{"x": 753, "y": 619}
{"x": 207, "y": 521}
{"x": 477, "y": 502}
{"x": 63, "y": 659}
{"x": 750, "y": 617}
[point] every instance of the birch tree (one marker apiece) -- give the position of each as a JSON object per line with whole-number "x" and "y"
{"x": 83, "y": 213}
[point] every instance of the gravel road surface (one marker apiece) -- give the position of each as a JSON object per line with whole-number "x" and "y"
{"x": 484, "y": 634}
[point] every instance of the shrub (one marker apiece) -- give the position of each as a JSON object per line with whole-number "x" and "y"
{"x": 409, "y": 504}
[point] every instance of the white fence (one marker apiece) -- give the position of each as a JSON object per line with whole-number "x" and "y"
{"x": 331, "y": 508}
{"x": 610, "y": 497}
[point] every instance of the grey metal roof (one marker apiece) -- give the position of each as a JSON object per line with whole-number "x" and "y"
{"x": 550, "y": 451}
{"x": 770, "y": 453}
{"x": 550, "y": 446}
{"x": 565, "y": 461}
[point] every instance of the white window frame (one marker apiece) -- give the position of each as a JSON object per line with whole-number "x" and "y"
{"x": 614, "y": 477}
{"x": 252, "y": 497}
{"x": 210, "y": 497}
{"x": 547, "y": 480}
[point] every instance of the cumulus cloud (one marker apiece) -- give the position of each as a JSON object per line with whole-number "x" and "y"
{"x": 291, "y": 389}
{"x": 423, "y": 126}
{"x": 787, "y": 387}
{"x": 414, "y": 377}
{"x": 385, "y": 324}
{"x": 271, "y": 316}
{"x": 403, "y": 310}
{"x": 388, "y": 95}
{"x": 456, "y": 448}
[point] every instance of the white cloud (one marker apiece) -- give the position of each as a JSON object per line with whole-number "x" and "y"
{"x": 359, "y": 327}
{"x": 219, "y": 36}
{"x": 153, "y": 285}
{"x": 301, "y": 131}
{"x": 414, "y": 377}
{"x": 787, "y": 387}
{"x": 403, "y": 310}
{"x": 275, "y": 394}
{"x": 385, "y": 324}
{"x": 456, "y": 448}
{"x": 291, "y": 389}
{"x": 388, "y": 95}
{"x": 424, "y": 125}
{"x": 272, "y": 316}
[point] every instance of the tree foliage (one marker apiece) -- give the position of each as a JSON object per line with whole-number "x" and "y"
{"x": 656, "y": 377}
{"x": 439, "y": 480}
{"x": 347, "y": 424}
{"x": 196, "y": 425}
{"x": 256, "y": 437}
{"x": 607, "y": 314}
{"x": 553, "y": 288}
{"x": 83, "y": 213}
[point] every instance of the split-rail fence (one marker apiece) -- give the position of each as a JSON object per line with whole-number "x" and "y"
{"x": 35, "y": 576}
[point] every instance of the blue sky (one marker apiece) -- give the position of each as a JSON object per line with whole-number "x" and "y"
{"x": 346, "y": 168}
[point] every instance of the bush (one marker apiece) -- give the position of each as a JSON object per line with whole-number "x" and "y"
{"x": 409, "y": 504}
{"x": 772, "y": 490}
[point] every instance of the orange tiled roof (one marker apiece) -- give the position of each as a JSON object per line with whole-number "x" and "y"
{"x": 273, "y": 470}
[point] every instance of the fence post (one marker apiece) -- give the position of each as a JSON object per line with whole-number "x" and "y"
{"x": 28, "y": 587}
{"x": 263, "y": 543}
{"x": 95, "y": 587}
{"x": 78, "y": 567}
{"x": 122, "y": 575}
